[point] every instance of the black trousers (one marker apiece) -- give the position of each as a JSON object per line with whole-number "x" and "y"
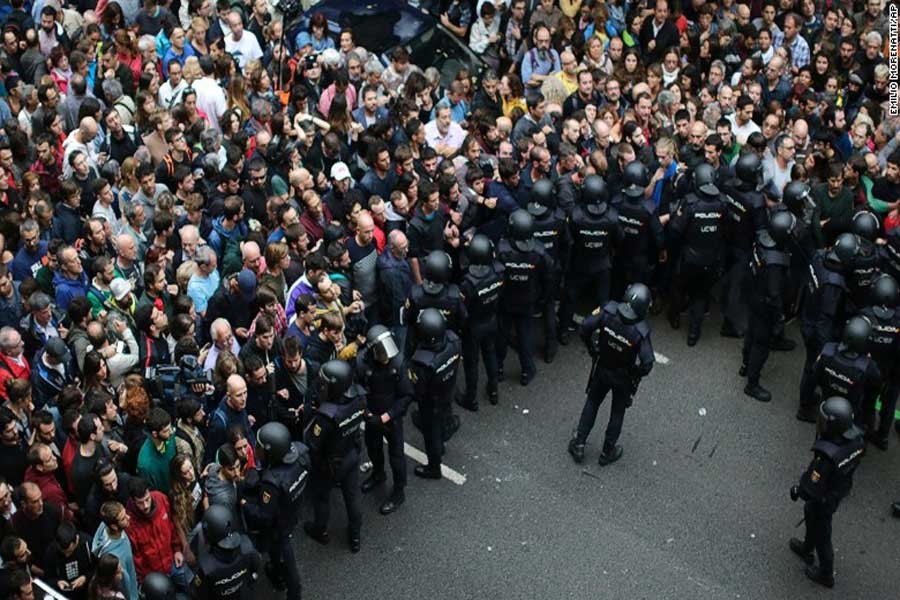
{"x": 432, "y": 418}
{"x": 348, "y": 480}
{"x": 597, "y": 286}
{"x": 285, "y": 561}
{"x": 692, "y": 290}
{"x": 524, "y": 325}
{"x": 818, "y": 534}
{"x": 814, "y": 343}
{"x": 734, "y": 307}
{"x": 375, "y": 436}
{"x": 757, "y": 340}
{"x": 595, "y": 397}
{"x": 480, "y": 338}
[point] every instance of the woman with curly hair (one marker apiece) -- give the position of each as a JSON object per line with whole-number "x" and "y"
{"x": 185, "y": 494}
{"x": 227, "y": 364}
{"x": 512, "y": 93}
{"x": 630, "y": 71}
{"x": 135, "y": 403}
{"x": 261, "y": 88}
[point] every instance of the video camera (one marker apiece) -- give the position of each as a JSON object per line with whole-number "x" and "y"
{"x": 167, "y": 383}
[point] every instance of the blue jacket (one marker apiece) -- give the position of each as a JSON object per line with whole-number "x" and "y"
{"x": 46, "y": 382}
{"x": 222, "y": 419}
{"x": 359, "y": 115}
{"x": 66, "y": 224}
{"x": 219, "y": 237}
{"x": 394, "y": 284}
{"x": 25, "y": 265}
{"x": 66, "y": 289}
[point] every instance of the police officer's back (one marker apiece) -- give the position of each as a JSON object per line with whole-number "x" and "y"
{"x": 865, "y": 265}
{"x": 432, "y": 370}
{"x": 227, "y": 562}
{"x": 641, "y": 227}
{"x": 333, "y": 436}
{"x": 480, "y": 291}
{"x": 596, "y": 234}
{"x": 435, "y": 291}
{"x": 827, "y": 480}
{"x": 884, "y": 346}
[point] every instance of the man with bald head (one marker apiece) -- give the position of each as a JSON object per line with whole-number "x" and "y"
{"x": 231, "y": 412}
{"x": 127, "y": 265}
{"x": 363, "y": 257}
{"x": 568, "y": 75}
{"x": 80, "y": 139}
{"x": 802, "y": 145}
{"x": 251, "y": 257}
{"x": 692, "y": 152}
{"x": 36, "y": 522}
{"x": 222, "y": 337}
{"x": 395, "y": 282}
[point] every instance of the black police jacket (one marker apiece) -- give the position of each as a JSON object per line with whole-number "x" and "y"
{"x": 884, "y": 341}
{"x": 746, "y": 215}
{"x": 526, "y": 277}
{"x": 769, "y": 271}
{"x": 226, "y": 574}
{"x": 642, "y": 230}
{"x": 854, "y": 377}
{"x": 277, "y": 505}
{"x": 699, "y": 224}
{"x": 388, "y": 388}
{"x": 481, "y": 293}
{"x": 826, "y": 292}
{"x": 863, "y": 270}
{"x": 551, "y": 231}
{"x": 447, "y": 301}
{"x": 622, "y": 351}
{"x": 595, "y": 239}
{"x": 333, "y": 435}
{"x": 889, "y": 254}
{"x": 433, "y": 371}
{"x": 829, "y": 477}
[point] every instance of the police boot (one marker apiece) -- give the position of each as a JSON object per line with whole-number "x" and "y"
{"x": 393, "y": 502}
{"x": 896, "y": 508}
{"x": 353, "y": 541}
{"x": 754, "y": 390}
{"x": 610, "y": 455}
{"x": 821, "y": 577}
{"x": 276, "y": 576}
{"x": 693, "y": 336}
{"x": 526, "y": 378}
{"x": 576, "y": 449}
{"x": 877, "y": 440}
{"x": 800, "y": 549}
{"x": 493, "y": 397}
{"x": 451, "y": 426}
{"x": 730, "y": 332}
{"x": 674, "y": 316}
{"x": 426, "y": 472}
{"x": 807, "y": 414}
{"x": 565, "y": 334}
{"x": 782, "y": 344}
{"x": 501, "y": 377}
{"x": 320, "y": 535}
{"x": 373, "y": 481}
{"x": 469, "y": 405}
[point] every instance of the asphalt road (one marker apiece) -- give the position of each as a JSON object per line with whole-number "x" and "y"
{"x": 697, "y": 507}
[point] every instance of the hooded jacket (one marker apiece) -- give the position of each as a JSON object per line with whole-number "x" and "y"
{"x": 154, "y": 536}
{"x": 66, "y": 289}
{"x": 102, "y": 545}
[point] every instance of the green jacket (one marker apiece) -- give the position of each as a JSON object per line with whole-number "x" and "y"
{"x": 154, "y": 466}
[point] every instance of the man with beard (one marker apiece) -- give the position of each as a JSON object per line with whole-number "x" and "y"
{"x": 48, "y": 165}
{"x": 541, "y": 164}
{"x": 152, "y": 323}
{"x": 585, "y": 95}
{"x": 121, "y": 140}
{"x": 342, "y": 195}
{"x": 291, "y": 383}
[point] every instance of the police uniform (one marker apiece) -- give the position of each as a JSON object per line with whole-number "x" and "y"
{"x": 480, "y": 291}
{"x": 623, "y": 354}
{"x": 222, "y": 574}
{"x": 863, "y": 270}
{"x": 444, "y": 297}
{"x": 824, "y": 312}
{"x": 596, "y": 234}
{"x": 850, "y": 375}
{"x": 433, "y": 375}
{"x": 276, "y": 511}
{"x": 884, "y": 347}
{"x": 333, "y": 436}
{"x": 526, "y": 286}
{"x": 642, "y": 240}
{"x": 551, "y": 231}
{"x": 699, "y": 226}
{"x": 388, "y": 391}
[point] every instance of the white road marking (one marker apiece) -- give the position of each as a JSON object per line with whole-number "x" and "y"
{"x": 420, "y": 457}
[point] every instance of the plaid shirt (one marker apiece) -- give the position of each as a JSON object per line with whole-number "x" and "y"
{"x": 513, "y": 46}
{"x": 799, "y": 49}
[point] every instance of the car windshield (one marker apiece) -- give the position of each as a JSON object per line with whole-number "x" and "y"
{"x": 436, "y": 49}
{"x": 371, "y": 30}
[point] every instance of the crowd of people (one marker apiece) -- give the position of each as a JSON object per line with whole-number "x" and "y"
{"x": 210, "y": 224}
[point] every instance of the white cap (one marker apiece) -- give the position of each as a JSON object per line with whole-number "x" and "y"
{"x": 120, "y": 288}
{"x": 339, "y": 171}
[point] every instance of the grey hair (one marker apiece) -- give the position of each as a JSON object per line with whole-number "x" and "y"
{"x": 112, "y": 89}
{"x": 146, "y": 42}
{"x": 7, "y": 335}
{"x": 217, "y": 326}
{"x": 29, "y": 225}
{"x": 38, "y": 301}
{"x": 208, "y": 139}
{"x": 665, "y": 99}
{"x": 373, "y": 65}
{"x": 129, "y": 210}
{"x": 260, "y": 108}
{"x": 204, "y": 255}
{"x": 873, "y": 37}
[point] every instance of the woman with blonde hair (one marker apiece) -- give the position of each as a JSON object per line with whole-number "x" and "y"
{"x": 129, "y": 185}
{"x": 554, "y": 91}
{"x": 237, "y": 95}
{"x": 197, "y": 35}
{"x": 183, "y": 274}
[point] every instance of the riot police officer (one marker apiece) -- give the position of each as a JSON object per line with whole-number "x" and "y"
{"x": 381, "y": 371}
{"x": 642, "y": 230}
{"x": 276, "y": 509}
{"x": 432, "y": 370}
{"x": 769, "y": 266}
{"x": 796, "y": 199}
{"x": 435, "y": 291}
{"x": 824, "y": 310}
{"x": 157, "y": 586}
{"x": 699, "y": 226}
{"x": 551, "y": 231}
{"x": 865, "y": 265}
{"x": 227, "y": 562}
{"x": 596, "y": 233}
{"x": 845, "y": 369}
{"x": 827, "y": 480}
{"x": 526, "y": 277}
{"x": 884, "y": 345}
{"x": 480, "y": 289}
{"x": 889, "y": 254}
{"x": 333, "y": 436}
{"x": 746, "y": 215}
{"x": 618, "y": 337}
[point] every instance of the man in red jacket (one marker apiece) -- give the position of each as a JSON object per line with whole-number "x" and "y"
{"x": 154, "y": 534}
{"x": 13, "y": 364}
{"x": 42, "y": 466}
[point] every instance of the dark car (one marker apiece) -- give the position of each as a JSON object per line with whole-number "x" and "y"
{"x": 381, "y": 26}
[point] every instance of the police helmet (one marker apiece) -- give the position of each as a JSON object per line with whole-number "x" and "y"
{"x": 431, "y": 327}
{"x": 542, "y": 193}
{"x": 594, "y": 191}
{"x": 705, "y": 180}
{"x": 275, "y": 441}
{"x": 636, "y": 303}
{"x": 438, "y": 266}
{"x": 845, "y": 249}
{"x": 781, "y": 226}
{"x": 748, "y": 168}
{"x": 635, "y": 179}
{"x": 380, "y": 341}
{"x": 883, "y": 292}
{"x": 480, "y": 250}
{"x": 865, "y": 225}
{"x": 856, "y": 335}
{"x": 795, "y": 196}
{"x": 836, "y": 418}
{"x": 157, "y": 586}
{"x": 335, "y": 378}
{"x": 521, "y": 225}
{"x": 218, "y": 528}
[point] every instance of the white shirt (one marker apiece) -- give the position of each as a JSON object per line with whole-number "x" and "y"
{"x": 742, "y": 132}
{"x": 453, "y": 138}
{"x": 211, "y": 99}
{"x": 169, "y": 97}
{"x": 245, "y": 49}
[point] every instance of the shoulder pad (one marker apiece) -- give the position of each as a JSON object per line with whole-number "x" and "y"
{"x": 643, "y": 328}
